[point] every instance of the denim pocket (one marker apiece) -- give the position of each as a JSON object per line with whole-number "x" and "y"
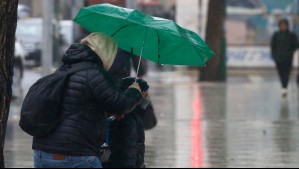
{"x": 37, "y": 159}
{"x": 94, "y": 162}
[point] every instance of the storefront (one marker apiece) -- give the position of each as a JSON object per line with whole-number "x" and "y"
{"x": 253, "y": 22}
{"x": 250, "y": 26}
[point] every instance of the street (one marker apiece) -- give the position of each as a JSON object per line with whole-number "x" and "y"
{"x": 241, "y": 123}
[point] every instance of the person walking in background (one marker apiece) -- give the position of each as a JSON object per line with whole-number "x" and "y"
{"x": 283, "y": 46}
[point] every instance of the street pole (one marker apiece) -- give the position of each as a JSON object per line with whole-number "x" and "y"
{"x": 47, "y": 47}
{"x": 204, "y": 15}
{"x": 76, "y": 6}
{"x": 132, "y": 4}
{"x": 296, "y": 13}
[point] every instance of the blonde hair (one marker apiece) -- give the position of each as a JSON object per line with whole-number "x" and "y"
{"x": 104, "y": 46}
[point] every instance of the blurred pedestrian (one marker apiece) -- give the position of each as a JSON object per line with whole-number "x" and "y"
{"x": 283, "y": 46}
{"x": 88, "y": 95}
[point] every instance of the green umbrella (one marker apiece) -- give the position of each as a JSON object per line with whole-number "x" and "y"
{"x": 159, "y": 40}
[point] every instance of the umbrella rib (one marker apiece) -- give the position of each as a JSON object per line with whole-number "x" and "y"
{"x": 133, "y": 22}
{"x": 85, "y": 16}
{"x": 159, "y": 55}
{"x": 121, "y": 20}
{"x": 121, "y": 28}
{"x": 198, "y": 53}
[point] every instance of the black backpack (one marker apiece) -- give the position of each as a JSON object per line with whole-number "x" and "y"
{"x": 41, "y": 109}
{"x": 149, "y": 119}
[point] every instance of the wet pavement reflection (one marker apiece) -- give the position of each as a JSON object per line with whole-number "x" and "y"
{"x": 242, "y": 123}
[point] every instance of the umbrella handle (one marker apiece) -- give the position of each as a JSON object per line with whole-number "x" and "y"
{"x": 141, "y": 55}
{"x": 138, "y": 69}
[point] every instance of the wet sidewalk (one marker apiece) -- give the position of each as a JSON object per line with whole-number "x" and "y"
{"x": 242, "y": 123}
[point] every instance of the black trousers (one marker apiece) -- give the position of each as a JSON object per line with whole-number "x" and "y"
{"x": 284, "y": 71}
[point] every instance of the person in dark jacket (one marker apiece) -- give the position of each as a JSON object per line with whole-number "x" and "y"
{"x": 124, "y": 60}
{"x": 88, "y": 96}
{"x": 121, "y": 68}
{"x": 283, "y": 46}
{"x": 127, "y": 136}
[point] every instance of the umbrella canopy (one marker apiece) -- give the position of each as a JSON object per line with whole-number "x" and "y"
{"x": 156, "y": 39}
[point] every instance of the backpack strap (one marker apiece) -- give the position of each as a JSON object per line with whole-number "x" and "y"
{"x": 109, "y": 122}
{"x": 69, "y": 72}
{"x": 72, "y": 68}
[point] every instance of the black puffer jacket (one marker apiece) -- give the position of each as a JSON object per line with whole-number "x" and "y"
{"x": 283, "y": 46}
{"x": 88, "y": 95}
{"x": 127, "y": 141}
{"x": 127, "y": 136}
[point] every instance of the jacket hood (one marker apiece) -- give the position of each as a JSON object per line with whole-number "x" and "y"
{"x": 79, "y": 53}
{"x": 104, "y": 46}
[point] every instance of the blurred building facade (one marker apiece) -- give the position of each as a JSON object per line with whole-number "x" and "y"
{"x": 63, "y": 8}
{"x": 257, "y": 20}
{"x": 249, "y": 27}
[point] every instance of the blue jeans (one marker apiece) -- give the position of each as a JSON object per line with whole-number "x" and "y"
{"x": 45, "y": 160}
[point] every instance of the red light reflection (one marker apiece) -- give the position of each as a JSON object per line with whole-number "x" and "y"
{"x": 196, "y": 130}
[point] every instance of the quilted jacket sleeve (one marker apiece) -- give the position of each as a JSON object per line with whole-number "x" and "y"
{"x": 108, "y": 95}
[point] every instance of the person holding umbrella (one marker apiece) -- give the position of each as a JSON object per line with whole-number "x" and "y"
{"x": 87, "y": 96}
{"x": 283, "y": 46}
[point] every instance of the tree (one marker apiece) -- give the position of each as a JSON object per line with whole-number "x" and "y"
{"x": 215, "y": 38}
{"x": 8, "y": 23}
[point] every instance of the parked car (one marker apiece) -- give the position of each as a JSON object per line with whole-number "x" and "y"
{"x": 66, "y": 30}
{"x": 30, "y": 34}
